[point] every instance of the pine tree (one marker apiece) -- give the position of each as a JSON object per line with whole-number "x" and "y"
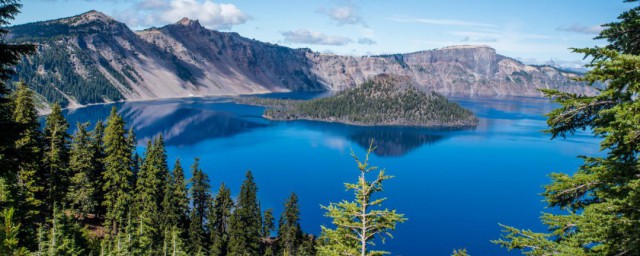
{"x": 150, "y": 191}
{"x": 56, "y": 157}
{"x": 65, "y": 236}
{"x": 30, "y": 184}
{"x": 358, "y": 222}
{"x": 97, "y": 147}
{"x": 175, "y": 204}
{"x": 460, "y": 252}
{"x": 201, "y": 199}
{"x": 245, "y": 223}
{"x": 10, "y": 55}
{"x": 601, "y": 198}
{"x": 82, "y": 191}
{"x": 289, "y": 232}
{"x": 174, "y": 244}
{"x": 268, "y": 225}
{"x": 308, "y": 246}
{"x": 117, "y": 176}
{"x": 220, "y": 214}
{"x": 9, "y": 242}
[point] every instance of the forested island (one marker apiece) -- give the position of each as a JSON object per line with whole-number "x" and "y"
{"x": 384, "y": 100}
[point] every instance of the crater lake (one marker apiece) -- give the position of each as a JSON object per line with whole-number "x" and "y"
{"x": 454, "y": 186}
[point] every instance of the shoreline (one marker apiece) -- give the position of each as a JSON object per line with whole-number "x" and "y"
{"x": 43, "y": 112}
{"x": 371, "y": 125}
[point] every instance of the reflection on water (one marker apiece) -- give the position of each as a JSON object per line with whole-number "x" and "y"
{"x": 189, "y": 121}
{"x": 394, "y": 143}
{"x": 186, "y": 122}
{"x": 180, "y": 125}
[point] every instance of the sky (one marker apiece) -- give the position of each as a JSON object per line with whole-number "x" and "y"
{"x": 535, "y": 32}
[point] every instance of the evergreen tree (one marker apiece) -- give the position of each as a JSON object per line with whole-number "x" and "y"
{"x": 10, "y": 55}
{"x": 201, "y": 199}
{"x": 220, "y": 214}
{"x": 308, "y": 246}
{"x": 289, "y": 232}
{"x": 117, "y": 176}
{"x": 30, "y": 183}
{"x": 150, "y": 190}
{"x": 358, "y": 222}
{"x": 268, "y": 225}
{"x": 175, "y": 204}
{"x": 174, "y": 244}
{"x": 601, "y": 198}
{"x": 97, "y": 147}
{"x": 460, "y": 252}
{"x": 9, "y": 242}
{"x": 245, "y": 223}
{"x": 82, "y": 191}
{"x": 65, "y": 236}
{"x": 56, "y": 157}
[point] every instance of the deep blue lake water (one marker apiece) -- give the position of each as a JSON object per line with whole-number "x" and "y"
{"x": 455, "y": 186}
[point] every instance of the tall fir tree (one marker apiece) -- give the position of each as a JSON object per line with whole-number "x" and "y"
{"x": 82, "y": 190}
{"x": 289, "y": 231}
{"x": 601, "y": 199}
{"x": 246, "y": 221}
{"x": 268, "y": 225}
{"x": 117, "y": 176}
{"x": 359, "y": 221}
{"x": 175, "y": 204}
{"x": 56, "y": 157}
{"x": 98, "y": 158}
{"x": 149, "y": 195}
{"x": 65, "y": 236}
{"x": 220, "y": 214}
{"x": 174, "y": 244}
{"x": 10, "y": 55}
{"x": 30, "y": 197}
{"x": 200, "y": 202}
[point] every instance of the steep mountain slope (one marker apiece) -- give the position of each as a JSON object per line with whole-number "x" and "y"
{"x": 229, "y": 59}
{"x": 92, "y": 58}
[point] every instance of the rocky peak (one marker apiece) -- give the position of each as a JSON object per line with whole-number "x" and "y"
{"x": 90, "y": 16}
{"x": 466, "y": 46}
{"x": 399, "y": 83}
{"x": 189, "y": 23}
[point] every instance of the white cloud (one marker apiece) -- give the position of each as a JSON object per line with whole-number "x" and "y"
{"x": 159, "y": 12}
{"x": 304, "y": 36}
{"x": 445, "y": 22}
{"x": 365, "y": 40}
{"x": 579, "y": 28}
{"x": 346, "y": 14}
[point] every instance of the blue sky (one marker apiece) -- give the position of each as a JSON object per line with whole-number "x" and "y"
{"x": 532, "y": 31}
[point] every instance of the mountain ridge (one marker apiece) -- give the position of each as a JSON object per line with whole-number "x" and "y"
{"x": 93, "y": 58}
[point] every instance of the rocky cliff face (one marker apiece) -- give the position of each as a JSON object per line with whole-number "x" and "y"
{"x": 92, "y": 58}
{"x": 453, "y": 70}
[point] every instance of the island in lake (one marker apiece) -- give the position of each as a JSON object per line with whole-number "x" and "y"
{"x": 383, "y": 100}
